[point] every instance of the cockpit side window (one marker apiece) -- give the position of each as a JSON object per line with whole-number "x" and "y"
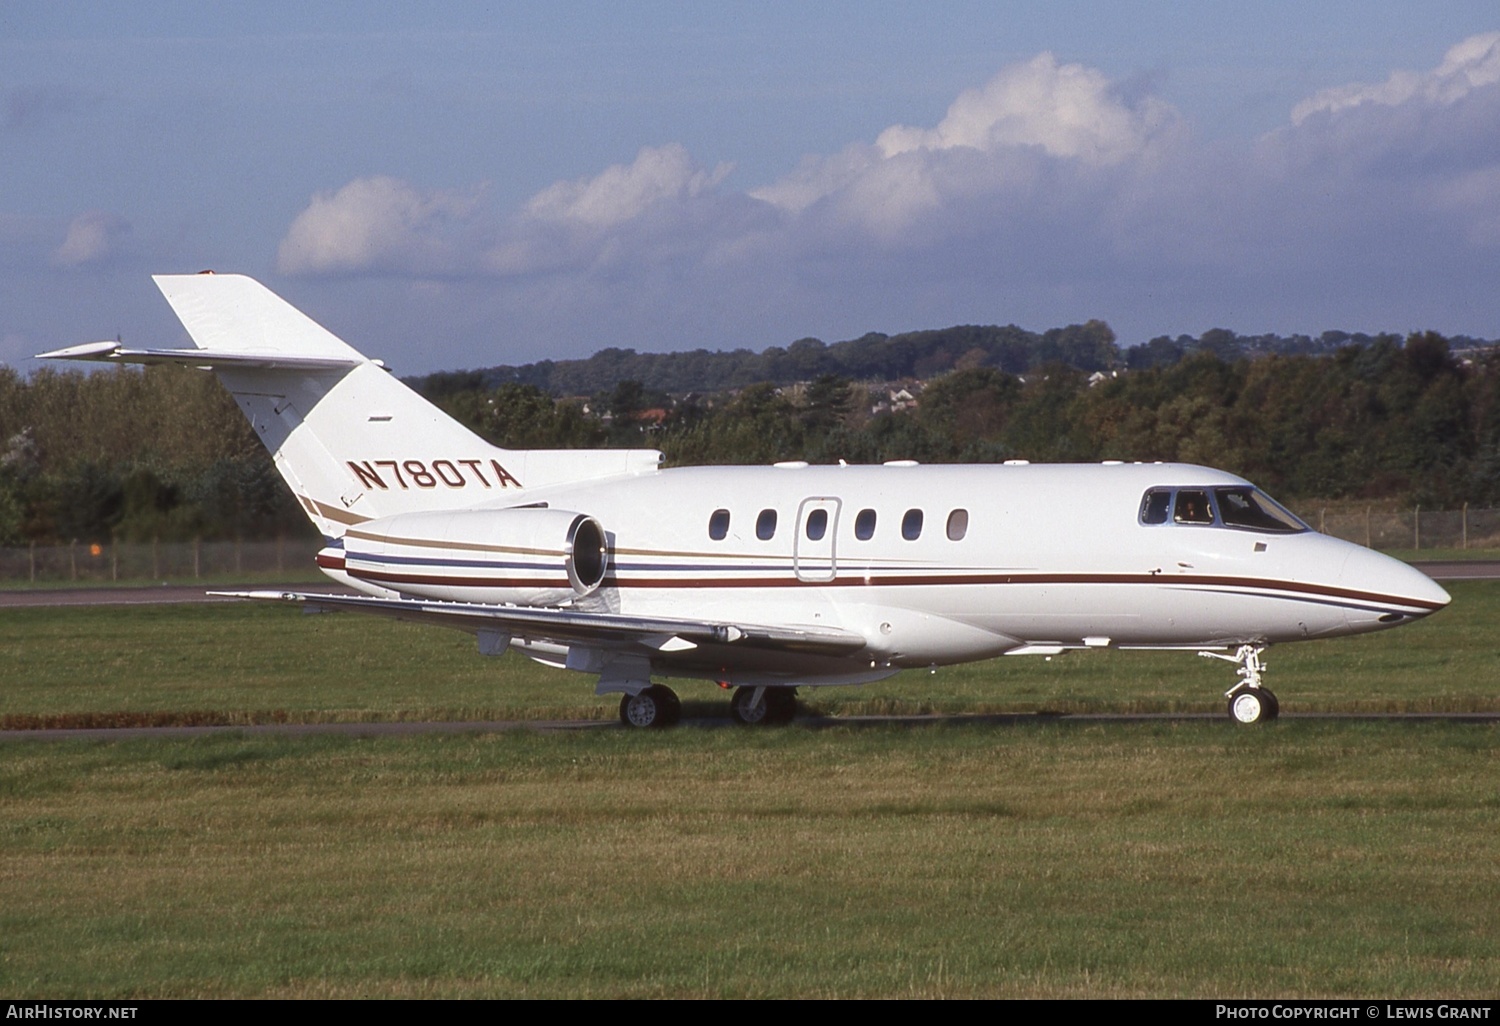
{"x": 1155, "y": 505}
{"x": 1238, "y": 506}
{"x": 1248, "y": 508}
{"x": 1192, "y": 507}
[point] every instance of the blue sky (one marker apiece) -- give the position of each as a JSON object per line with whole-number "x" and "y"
{"x": 465, "y": 184}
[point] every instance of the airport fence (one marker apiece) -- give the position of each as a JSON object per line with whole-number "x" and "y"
{"x": 1414, "y": 528}
{"x": 92, "y": 563}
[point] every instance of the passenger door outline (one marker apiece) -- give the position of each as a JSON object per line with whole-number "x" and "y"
{"x": 815, "y": 559}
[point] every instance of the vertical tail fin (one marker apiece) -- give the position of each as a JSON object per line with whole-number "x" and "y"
{"x": 351, "y": 441}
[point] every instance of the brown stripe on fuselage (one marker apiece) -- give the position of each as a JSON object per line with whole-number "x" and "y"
{"x": 1263, "y": 588}
{"x": 926, "y": 580}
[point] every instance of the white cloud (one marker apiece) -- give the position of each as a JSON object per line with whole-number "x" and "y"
{"x": 92, "y": 237}
{"x": 650, "y": 209}
{"x": 378, "y": 224}
{"x": 817, "y": 177}
{"x": 1048, "y": 195}
{"x": 1471, "y": 64}
{"x": 382, "y": 224}
{"x": 1067, "y": 110}
{"x": 624, "y": 192}
{"x": 1415, "y": 158}
{"x": 986, "y": 146}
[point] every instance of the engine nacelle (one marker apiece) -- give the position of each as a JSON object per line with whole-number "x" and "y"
{"x": 529, "y": 556}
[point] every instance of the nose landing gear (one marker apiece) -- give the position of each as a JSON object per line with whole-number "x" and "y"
{"x": 1250, "y": 701}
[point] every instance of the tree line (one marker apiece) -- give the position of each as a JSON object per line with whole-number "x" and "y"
{"x": 1091, "y": 346}
{"x": 132, "y": 455}
{"x": 1392, "y": 419}
{"x": 164, "y": 453}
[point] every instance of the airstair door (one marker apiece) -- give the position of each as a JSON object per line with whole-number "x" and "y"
{"x": 813, "y": 551}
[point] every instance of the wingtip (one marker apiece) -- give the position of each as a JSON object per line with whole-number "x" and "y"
{"x": 86, "y": 351}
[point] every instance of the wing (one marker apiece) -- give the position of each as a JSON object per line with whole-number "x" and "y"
{"x": 567, "y": 626}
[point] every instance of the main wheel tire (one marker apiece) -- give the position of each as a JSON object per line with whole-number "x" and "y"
{"x": 781, "y": 705}
{"x": 1273, "y": 707}
{"x": 778, "y": 705}
{"x": 1251, "y": 706}
{"x": 651, "y": 708}
{"x": 742, "y": 711}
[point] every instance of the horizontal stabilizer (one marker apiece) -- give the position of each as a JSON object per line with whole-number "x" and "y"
{"x": 569, "y": 626}
{"x": 113, "y": 352}
{"x": 234, "y": 314}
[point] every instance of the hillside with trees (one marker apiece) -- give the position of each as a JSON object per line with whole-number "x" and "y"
{"x": 918, "y": 355}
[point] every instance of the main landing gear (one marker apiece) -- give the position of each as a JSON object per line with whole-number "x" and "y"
{"x": 1250, "y": 701}
{"x": 657, "y": 706}
{"x": 651, "y": 708}
{"x": 763, "y": 706}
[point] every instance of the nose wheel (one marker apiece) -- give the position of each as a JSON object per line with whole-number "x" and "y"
{"x": 1250, "y": 701}
{"x": 1253, "y": 705}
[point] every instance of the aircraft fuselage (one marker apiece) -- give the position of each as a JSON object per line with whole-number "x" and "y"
{"x": 934, "y": 565}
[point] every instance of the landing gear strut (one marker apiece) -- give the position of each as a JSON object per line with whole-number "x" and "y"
{"x": 653, "y": 707}
{"x": 763, "y": 706}
{"x": 1250, "y": 701}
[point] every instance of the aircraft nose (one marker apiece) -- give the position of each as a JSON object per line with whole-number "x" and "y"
{"x": 1397, "y": 590}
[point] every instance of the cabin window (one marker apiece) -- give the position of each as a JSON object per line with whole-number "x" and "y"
{"x": 911, "y": 525}
{"x": 1156, "y": 505}
{"x": 958, "y": 524}
{"x": 718, "y": 525}
{"x": 1192, "y": 507}
{"x": 817, "y": 524}
{"x": 864, "y": 525}
{"x": 765, "y": 525}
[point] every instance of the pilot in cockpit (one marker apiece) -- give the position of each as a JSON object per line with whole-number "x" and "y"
{"x": 1192, "y": 508}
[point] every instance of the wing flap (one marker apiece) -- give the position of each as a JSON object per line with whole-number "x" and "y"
{"x": 567, "y": 626}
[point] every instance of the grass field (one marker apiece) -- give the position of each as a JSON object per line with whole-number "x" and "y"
{"x": 1308, "y": 859}
{"x": 1301, "y": 858}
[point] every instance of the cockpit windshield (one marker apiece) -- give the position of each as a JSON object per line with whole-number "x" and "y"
{"x": 1236, "y": 506}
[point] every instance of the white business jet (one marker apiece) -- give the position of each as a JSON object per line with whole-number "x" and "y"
{"x": 762, "y": 579}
